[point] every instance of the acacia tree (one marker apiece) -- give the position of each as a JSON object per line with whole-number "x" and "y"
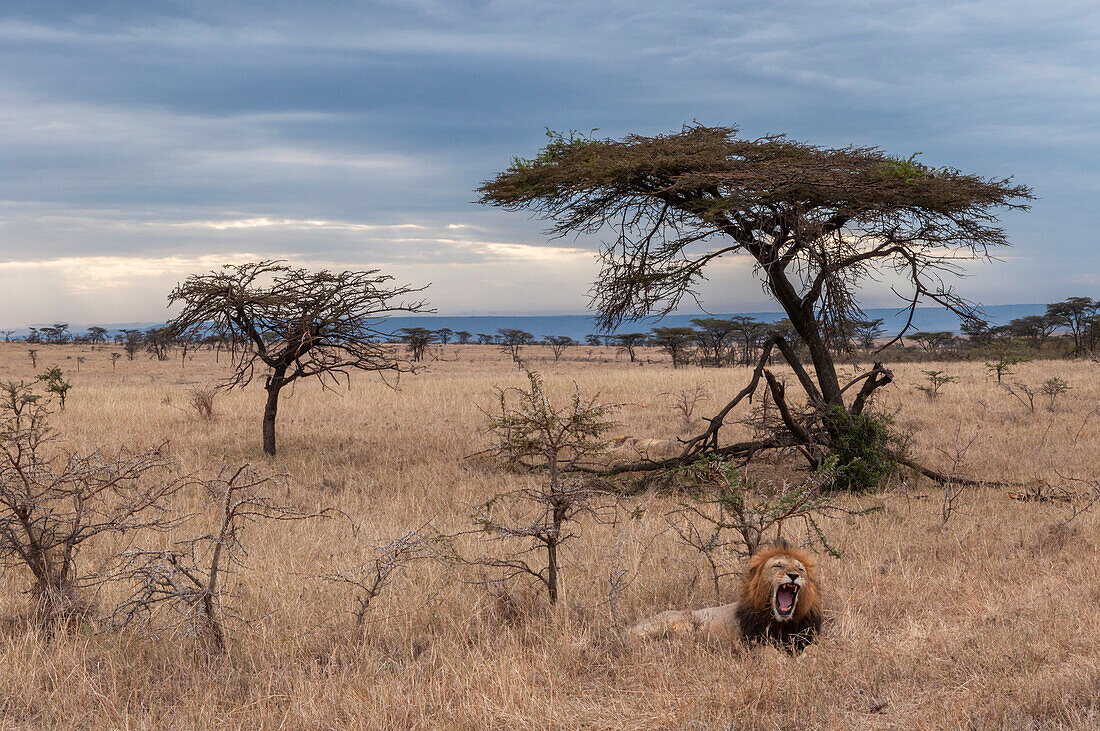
{"x": 1074, "y": 314}
{"x": 630, "y": 341}
{"x": 1036, "y": 328}
{"x": 818, "y": 222}
{"x": 294, "y": 323}
{"x": 417, "y": 339}
{"x": 97, "y": 334}
{"x": 558, "y": 344}
{"x": 513, "y": 341}
{"x": 675, "y": 341}
{"x": 867, "y": 331}
{"x": 715, "y": 337}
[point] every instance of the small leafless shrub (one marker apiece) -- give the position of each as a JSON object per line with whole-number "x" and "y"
{"x": 1079, "y": 495}
{"x": 202, "y": 401}
{"x": 1023, "y": 393}
{"x": 685, "y": 400}
{"x": 52, "y": 502}
{"x": 369, "y": 578}
{"x": 188, "y": 580}
{"x": 952, "y": 488}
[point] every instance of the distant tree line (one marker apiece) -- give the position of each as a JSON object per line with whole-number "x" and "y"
{"x": 1070, "y": 328}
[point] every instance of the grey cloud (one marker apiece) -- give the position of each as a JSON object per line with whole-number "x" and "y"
{"x": 118, "y": 126}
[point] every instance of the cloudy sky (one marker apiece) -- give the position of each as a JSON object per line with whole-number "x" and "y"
{"x": 141, "y": 140}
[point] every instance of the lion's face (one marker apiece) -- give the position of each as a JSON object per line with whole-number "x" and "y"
{"x": 781, "y": 580}
{"x": 785, "y": 575}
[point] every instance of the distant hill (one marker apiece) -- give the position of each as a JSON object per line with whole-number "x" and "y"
{"x": 931, "y": 319}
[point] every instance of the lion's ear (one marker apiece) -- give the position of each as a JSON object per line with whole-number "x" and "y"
{"x": 755, "y": 562}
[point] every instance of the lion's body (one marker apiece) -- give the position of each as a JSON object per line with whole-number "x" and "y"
{"x": 650, "y": 449}
{"x": 755, "y": 616}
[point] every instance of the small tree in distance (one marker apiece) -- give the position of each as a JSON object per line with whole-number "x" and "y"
{"x": 558, "y": 344}
{"x": 1005, "y": 358}
{"x": 97, "y": 334}
{"x": 417, "y": 339}
{"x": 56, "y": 384}
{"x": 675, "y": 341}
{"x": 868, "y": 331}
{"x": 630, "y": 341}
{"x": 294, "y": 323}
{"x": 513, "y": 341}
{"x": 1074, "y": 315}
{"x": 134, "y": 339}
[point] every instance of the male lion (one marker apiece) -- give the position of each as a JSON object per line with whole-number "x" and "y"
{"x": 778, "y": 601}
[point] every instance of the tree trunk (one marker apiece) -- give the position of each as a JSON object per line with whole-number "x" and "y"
{"x": 271, "y": 410}
{"x": 809, "y": 332}
{"x": 552, "y": 569}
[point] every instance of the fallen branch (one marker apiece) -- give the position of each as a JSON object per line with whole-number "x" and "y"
{"x": 944, "y": 479}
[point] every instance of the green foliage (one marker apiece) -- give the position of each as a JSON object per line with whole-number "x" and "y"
{"x": 533, "y": 431}
{"x": 557, "y": 143}
{"x": 936, "y": 381}
{"x": 908, "y": 169}
{"x": 911, "y": 171}
{"x": 56, "y": 384}
{"x": 866, "y": 449}
{"x": 1052, "y": 388}
{"x": 1005, "y": 357}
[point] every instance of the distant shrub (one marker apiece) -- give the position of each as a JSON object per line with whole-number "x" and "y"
{"x": 56, "y": 384}
{"x": 936, "y": 381}
{"x": 1052, "y": 388}
{"x": 202, "y": 401}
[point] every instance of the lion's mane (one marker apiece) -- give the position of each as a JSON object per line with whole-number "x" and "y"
{"x": 751, "y": 617}
{"x": 754, "y": 612}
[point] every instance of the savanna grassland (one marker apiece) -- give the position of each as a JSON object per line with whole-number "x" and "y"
{"x": 990, "y": 620}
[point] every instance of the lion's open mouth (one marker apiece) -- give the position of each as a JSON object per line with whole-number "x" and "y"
{"x": 786, "y": 596}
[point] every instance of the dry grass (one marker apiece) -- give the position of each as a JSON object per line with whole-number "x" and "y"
{"x": 989, "y": 621}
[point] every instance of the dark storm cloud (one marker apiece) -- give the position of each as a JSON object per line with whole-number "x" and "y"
{"x": 389, "y": 113}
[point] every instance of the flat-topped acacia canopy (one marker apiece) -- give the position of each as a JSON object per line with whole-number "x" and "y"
{"x": 817, "y": 221}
